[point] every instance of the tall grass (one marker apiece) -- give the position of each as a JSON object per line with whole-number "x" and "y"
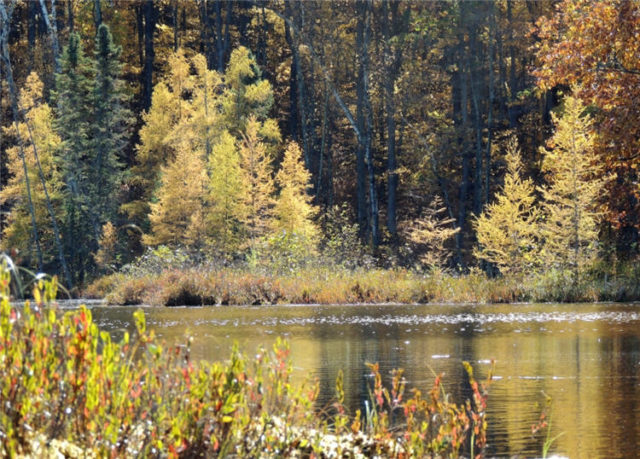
{"x": 331, "y": 285}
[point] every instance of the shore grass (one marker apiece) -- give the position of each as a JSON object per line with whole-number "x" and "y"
{"x": 326, "y": 285}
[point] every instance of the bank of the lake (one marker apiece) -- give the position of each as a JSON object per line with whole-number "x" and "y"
{"x": 323, "y": 285}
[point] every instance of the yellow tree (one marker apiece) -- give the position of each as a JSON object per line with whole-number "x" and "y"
{"x": 294, "y": 211}
{"x": 575, "y": 185}
{"x": 259, "y": 187}
{"x": 159, "y": 138}
{"x": 507, "y": 230}
{"x": 180, "y": 199}
{"x": 227, "y": 194}
{"x": 18, "y": 232}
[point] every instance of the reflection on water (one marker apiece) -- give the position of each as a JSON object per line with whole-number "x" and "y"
{"x": 586, "y": 357}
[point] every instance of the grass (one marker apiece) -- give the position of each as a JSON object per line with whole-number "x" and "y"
{"x": 68, "y": 389}
{"x": 331, "y": 285}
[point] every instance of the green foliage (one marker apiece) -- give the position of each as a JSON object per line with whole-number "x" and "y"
{"x": 69, "y": 388}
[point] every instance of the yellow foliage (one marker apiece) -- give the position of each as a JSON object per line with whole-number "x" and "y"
{"x": 575, "y": 185}
{"x": 507, "y": 230}
{"x": 18, "y": 233}
{"x": 180, "y": 196}
{"x": 432, "y": 232}
{"x": 294, "y": 211}
{"x": 259, "y": 181}
{"x": 227, "y": 194}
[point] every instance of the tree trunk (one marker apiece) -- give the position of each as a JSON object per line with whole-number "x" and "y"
{"x": 97, "y": 14}
{"x": 52, "y": 27}
{"x": 361, "y": 186}
{"x": 150, "y": 18}
{"x": 487, "y": 154}
{"x": 462, "y": 128}
{"x": 389, "y": 81}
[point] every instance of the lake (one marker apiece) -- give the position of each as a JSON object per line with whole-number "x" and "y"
{"x": 586, "y": 357}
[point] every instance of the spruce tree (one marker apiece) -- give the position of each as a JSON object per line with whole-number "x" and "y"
{"x": 80, "y": 229}
{"x": 109, "y": 128}
{"x": 575, "y": 184}
{"x": 507, "y": 230}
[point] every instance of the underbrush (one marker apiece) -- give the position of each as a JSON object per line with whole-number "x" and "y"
{"x": 68, "y": 389}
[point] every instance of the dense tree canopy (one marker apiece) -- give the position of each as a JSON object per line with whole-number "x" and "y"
{"x": 174, "y": 122}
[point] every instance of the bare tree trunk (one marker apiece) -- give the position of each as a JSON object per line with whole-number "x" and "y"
{"x": 300, "y": 87}
{"x": 464, "y": 181}
{"x": 390, "y": 108}
{"x": 4, "y": 44}
{"x": 16, "y": 110}
{"x": 52, "y": 27}
{"x": 487, "y": 154}
{"x": 361, "y": 186}
{"x": 150, "y": 18}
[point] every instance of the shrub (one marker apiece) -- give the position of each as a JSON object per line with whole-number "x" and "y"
{"x": 68, "y": 389}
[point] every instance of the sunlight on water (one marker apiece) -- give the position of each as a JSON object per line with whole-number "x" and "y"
{"x": 586, "y": 357}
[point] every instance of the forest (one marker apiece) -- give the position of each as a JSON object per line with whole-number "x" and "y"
{"x": 494, "y": 137}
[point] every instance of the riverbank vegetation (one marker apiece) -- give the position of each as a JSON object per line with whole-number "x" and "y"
{"x": 70, "y": 389}
{"x": 281, "y": 145}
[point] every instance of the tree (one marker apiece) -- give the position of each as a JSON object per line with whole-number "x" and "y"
{"x": 259, "y": 187}
{"x": 570, "y": 208}
{"x": 227, "y": 195}
{"x": 593, "y": 45}
{"x": 18, "y": 232}
{"x": 507, "y": 230}
{"x": 158, "y": 135}
{"x": 293, "y": 210}
{"x": 247, "y": 94}
{"x": 109, "y": 129}
{"x": 181, "y": 196}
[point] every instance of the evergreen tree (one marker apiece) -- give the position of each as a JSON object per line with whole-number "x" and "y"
{"x": 507, "y": 230}
{"x": 80, "y": 229}
{"x": 575, "y": 184}
{"x": 109, "y": 129}
{"x": 227, "y": 194}
{"x": 18, "y": 232}
{"x": 293, "y": 210}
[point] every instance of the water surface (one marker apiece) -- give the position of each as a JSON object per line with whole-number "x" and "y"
{"x": 586, "y": 357}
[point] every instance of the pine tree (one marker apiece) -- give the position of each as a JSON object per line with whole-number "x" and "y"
{"x": 181, "y": 196}
{"x": 18, "y": 232}
{"x": 259, "y": 187}
{"x": 293, "y": 210}
{"x": 227, "y": 195}
{"x": 507, "y": 230}
{"x": 575, "y": 185}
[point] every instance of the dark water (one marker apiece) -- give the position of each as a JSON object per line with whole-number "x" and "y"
{"x": 586, "y": 357}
